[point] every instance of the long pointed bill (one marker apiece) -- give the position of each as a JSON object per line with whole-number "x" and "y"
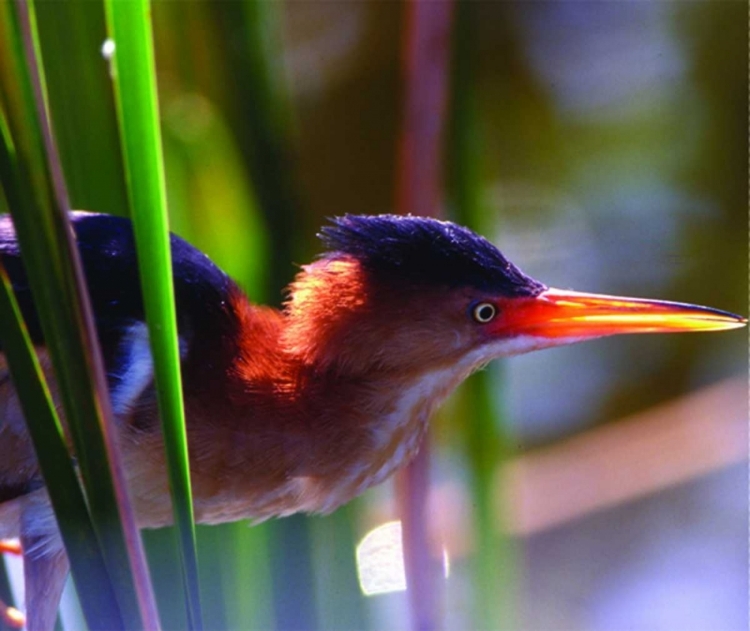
{"x": 556, "y": 314}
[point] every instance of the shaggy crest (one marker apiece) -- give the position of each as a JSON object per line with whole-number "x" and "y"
{"x": 426, "y": 251}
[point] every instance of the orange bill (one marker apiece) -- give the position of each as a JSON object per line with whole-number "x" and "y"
{"x": 558, "y": 313}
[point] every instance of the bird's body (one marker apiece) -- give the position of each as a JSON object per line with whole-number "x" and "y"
{"x": 286, "y": 412}
{"x": 264, "y": 409}
{"x": 300, "y": 409}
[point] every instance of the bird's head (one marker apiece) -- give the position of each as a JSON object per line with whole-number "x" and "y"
{"x": 414, "y": 293}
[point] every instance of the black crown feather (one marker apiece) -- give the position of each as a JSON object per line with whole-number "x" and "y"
{"x": 426, "y": 251}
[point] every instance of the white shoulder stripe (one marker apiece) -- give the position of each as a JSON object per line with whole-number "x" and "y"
{"x": 136, "y": 369}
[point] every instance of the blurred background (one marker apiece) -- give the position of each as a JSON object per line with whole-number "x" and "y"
{"x": 603, "y": 147}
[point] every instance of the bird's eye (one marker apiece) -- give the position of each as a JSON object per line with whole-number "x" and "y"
{"x": 484, "y": 312}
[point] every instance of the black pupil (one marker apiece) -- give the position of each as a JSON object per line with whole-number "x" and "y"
{"x": 485, "y": 312}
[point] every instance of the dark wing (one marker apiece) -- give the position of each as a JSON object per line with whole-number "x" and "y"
{"x": 207, "y": 322}
{"x": 207, "y": 326}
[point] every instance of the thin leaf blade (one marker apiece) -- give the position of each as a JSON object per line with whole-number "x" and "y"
{"x": 135, "y": 90}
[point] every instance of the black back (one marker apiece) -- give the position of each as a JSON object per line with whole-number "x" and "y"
{"x": 107, "y": 248}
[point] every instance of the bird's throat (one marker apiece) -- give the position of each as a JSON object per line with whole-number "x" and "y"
{"x": 398, "y": 423}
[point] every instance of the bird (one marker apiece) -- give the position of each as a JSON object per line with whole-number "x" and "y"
{"x": 304, "y": 408}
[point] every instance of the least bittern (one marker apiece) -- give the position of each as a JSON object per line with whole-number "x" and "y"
{"x": 305, "y": 408}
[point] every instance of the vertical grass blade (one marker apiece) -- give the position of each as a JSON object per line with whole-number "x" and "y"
{"x": 36, "y": 195}
{"x": 419, "y": 189}
{"x": 339, "y": 599}
{"x": 493, "y": 566}
{"x": 133, "y": 66}
{"x": 87, "y": 563}
{"x": 426, "y": 73}
{"x": 81, "y": 103}
{"x": 260, "y": 117}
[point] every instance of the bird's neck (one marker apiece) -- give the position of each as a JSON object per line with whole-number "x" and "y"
{"x": 322, "y": 404}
